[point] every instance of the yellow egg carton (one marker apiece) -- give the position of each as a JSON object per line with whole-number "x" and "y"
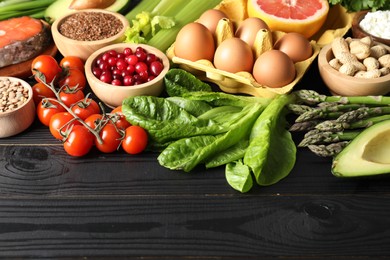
{"x": 337, "y": 24}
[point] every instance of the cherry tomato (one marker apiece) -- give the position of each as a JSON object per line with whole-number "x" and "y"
{"x": 93, "y": 120}
{"x": 46, "y": 109}
{"x": 70, "y": 95}
{"x": 40, "y": 91}
{"x": 47, "y": 65}
{"x": 74, "y": 78}
{"x": 86, "y": 107}
{"x": 135, "y": 140}
{"x": 79, "y": 141}
{"x": 72, "y": 62}
{"x": 121, "y": 122}
{"x": 111, "y": 139}
{"x": 58, "y": 121}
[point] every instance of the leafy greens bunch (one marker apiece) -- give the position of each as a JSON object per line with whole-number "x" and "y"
{"x": 195, "y": 125}
{"x": 358, "y": 5}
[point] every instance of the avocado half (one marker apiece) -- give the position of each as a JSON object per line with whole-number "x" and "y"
{"x": 61, "y": 7}
{"x": 366, "y": 155}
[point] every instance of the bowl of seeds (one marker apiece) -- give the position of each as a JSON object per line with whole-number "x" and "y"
{"x": 82, "y": 32}
{"x": 17, "y": 109}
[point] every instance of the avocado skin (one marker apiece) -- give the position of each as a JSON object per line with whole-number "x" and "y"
{"x": 366, "y": 155}
{"x": 61, "y": 7}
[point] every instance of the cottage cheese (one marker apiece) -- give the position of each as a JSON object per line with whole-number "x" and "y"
{"x": 377, "y": 24}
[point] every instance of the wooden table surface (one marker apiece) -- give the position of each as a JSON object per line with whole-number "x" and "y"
{"x": 121, "y": 206}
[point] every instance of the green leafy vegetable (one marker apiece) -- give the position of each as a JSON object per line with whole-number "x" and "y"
{"x": 238, "y": 175}
{"x": 198, "y": 126}
{"x": 164, "y": 120}
{"x": 272, "y": 152}
{"x": 358, "y": 5}
{"x": 178, "y": 82}
{"x": 186, "y": 153}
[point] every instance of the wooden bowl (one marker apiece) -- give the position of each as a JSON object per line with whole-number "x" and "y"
{"x": 344, "y": 85}
{"x": 112, "y": 95}
{"x": 16, "y": 121}
{"x": 82, "y": 49}
{"x": 358, "y": 32}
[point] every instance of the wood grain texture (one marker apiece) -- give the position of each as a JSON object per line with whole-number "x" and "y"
{"x": 236, "y": 226}
{"x": 117, "y": 206}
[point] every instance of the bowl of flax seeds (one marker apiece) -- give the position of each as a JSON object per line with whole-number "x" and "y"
{"x": 82, "y": 32}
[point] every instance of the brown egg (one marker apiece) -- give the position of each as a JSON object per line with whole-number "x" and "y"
{"x": 210, "y": 19}
{"x": 248, "y": 29}
{"x": 274, "y": 69}
{"x": 233, "y": 55}
{"x": 295, "y": 45}
{"x": 194, "y": 42}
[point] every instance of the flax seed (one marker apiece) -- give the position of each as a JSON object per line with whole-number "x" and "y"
{"x": 90, "y": 26}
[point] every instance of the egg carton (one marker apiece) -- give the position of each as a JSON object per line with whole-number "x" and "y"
{"x": 337, "y": 24}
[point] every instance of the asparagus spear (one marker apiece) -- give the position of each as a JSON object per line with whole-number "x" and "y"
{"x": 311, "y": 97}
{"x": 299, "y": 109}
{"x": 335, "y": 125}
{"x": 320, "y": 137}
{"x": 304, "y": 126}
{"x": 328, "y": 150}
{"x": 362, "y": 113}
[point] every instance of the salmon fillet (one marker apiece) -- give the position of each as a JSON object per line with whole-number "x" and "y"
{"x": 21, "y": 39}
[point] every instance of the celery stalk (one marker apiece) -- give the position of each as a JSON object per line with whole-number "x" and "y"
{"x": 189, "y": 13}
{"x": 143, "y": 6}
{"x": 169, "y": 7}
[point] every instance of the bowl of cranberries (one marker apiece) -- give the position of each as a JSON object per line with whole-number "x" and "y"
{"x": 121, "y": 70}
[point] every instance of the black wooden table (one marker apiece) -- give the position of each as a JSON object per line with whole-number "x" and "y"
{"x": 121, "y": 206}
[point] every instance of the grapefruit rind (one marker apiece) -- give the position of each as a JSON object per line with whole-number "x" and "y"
{"x": 244, "y": 82}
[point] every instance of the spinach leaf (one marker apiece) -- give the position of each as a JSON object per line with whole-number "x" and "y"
{"x": 238, "y": 175}
{"x": 271, "y": 153}
{"x": 178, "y": 81}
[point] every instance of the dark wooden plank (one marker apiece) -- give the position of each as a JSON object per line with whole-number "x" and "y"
{"x": 47, "y": 170}
{"x": 235, "y": 226}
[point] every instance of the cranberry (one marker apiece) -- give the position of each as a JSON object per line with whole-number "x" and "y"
{"x": 131, "y": 59}
{"x": 150, "y": 57}
{"x": 112, "y": 61}
{"x": 96, "y": 71}
{"x": 104, "y": 65}
{"x": 116, "y": 82}
{"x": 128, "y": 80}
{"x": 105, "y": 56}
{"x": 112, "y": 53}
{"x": 106, "y": 77}
{"x": 141, "y": 55}
{"x": 127, "y": 51}
{"x": 121, "y": 64}
{"x": 156, "y": 67}
{"x": 130, "y": 69}
{"x": 141, "y": 66}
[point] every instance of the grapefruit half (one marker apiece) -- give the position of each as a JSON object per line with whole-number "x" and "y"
{"x": 301, "y": 16}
